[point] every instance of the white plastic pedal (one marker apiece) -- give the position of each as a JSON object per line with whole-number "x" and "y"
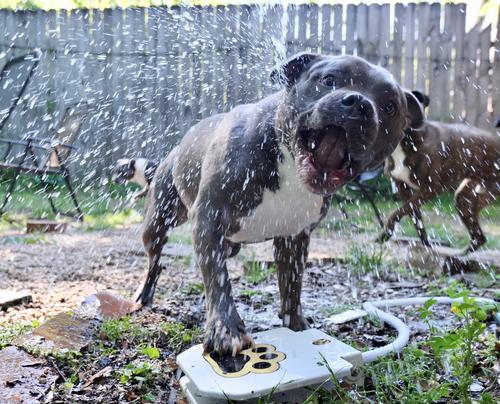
{"x": 283, "y": 361}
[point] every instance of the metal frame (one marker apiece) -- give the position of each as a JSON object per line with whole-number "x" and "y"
{"x": 30, "y": 57}
{"x": 367, "y": 192}
{"x": 30, "y": 144}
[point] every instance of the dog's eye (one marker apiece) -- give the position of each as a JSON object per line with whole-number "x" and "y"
{"x": 390, "y": 108}
{"x": 328, "y": 80}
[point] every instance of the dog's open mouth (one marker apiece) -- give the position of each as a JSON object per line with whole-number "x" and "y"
{"x": 325, "y": 157}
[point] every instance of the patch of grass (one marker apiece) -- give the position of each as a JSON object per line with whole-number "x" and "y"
{"x": 111, "y": 220}
{"x": 439, "y": 216}
{"x": 331, "y": 311}
{"x": 180, "y": 238}
{"x": 438, "y": 370}
{"x": 9, "y": 332}
{"x": 9, "y": 221}
{"x": 256, "y": 272}
{"x": 195, "y": 288}
{"x": 25, "y": 239}
{"x": 412, "y": 378}
{"x": 29, "y": 200}
{"x": 179, "y": 336}
{"x": 121, "y": 329}
{"x": 250, "y": 293}
{"x": 365, "y": 259}
{"x": 183, "y": 260}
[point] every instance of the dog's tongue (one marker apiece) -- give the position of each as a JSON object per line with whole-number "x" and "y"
{"x": 330, "y": 152}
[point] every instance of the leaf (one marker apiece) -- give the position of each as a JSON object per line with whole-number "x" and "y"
{"x": 151, "y": 352}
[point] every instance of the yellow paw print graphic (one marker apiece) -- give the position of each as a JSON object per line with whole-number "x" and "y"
{"x": 263, "y": 358}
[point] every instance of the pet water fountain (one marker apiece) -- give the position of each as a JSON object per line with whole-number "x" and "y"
{"x": 288, "y": 365}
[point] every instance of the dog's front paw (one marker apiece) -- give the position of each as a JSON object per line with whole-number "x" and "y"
{"x": 226, "y": 336}
{"x": 383, "y": 237}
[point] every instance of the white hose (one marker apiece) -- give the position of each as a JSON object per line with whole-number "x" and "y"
{"x": 402, "y": 329}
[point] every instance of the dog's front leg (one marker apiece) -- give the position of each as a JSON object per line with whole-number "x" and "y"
{"x": 290, "y": 255}
{"x": 225, "y": 331}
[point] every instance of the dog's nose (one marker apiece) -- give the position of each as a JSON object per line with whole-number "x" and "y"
{"x": 350, "y": 99}
{"x": 356, "y": 105}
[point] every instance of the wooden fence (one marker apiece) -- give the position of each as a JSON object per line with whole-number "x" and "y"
{"x": 150, "y": 73}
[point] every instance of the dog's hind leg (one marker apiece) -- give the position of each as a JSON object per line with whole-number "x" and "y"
{"x": 164, "y": 211}
{"x": 470, "y": 197}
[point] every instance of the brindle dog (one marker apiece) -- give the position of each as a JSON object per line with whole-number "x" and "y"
{"x": 440, "y": 157}
{"x": 266, "y": 171}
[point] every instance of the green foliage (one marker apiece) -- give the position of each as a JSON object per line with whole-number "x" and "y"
{"x": 178, "y": 336}
{"x": 412, "y": 378}
{"x": 195, "y": 288}
{"x": 256, "y": 272}
{"x": 8, "y": 332}
{"x": 365, "y": 259}
{"x": 141, "y": 373}
{"x": 419, "y": 374}
{"x": 150, "y": 351}
{"x": 121, "y": 329}
{"x": 71, "y": 381}
{"x": 250, "y": 293}
{"x": 111, "y": 220}
{"x": 29, "y": 239}
{"x": 179, "y": 238}
{"x": 457, "y": 346}
{"x": 183, "y": 260}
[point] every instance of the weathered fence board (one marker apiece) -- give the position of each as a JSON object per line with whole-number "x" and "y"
{"x": 148, "y": 74}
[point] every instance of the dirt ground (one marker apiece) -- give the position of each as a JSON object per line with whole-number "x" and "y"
{"x": 60, "y": 270}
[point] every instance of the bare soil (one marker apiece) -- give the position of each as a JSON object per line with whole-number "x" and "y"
{"x": 60, "y": 270}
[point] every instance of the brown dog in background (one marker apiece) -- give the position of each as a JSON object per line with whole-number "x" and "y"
{"x": 440, "y": 157}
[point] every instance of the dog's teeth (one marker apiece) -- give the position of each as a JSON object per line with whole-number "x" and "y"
{"x": 311, "y": 145}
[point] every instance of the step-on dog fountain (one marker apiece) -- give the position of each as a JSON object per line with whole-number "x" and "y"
{"x": 285, "y": 365}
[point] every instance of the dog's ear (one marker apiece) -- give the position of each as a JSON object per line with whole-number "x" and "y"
{"x": 415, "y": 116}
{"x": 131, "y": 164}
{"x": 288, "y": 72}
{"x": 422, "y": 98}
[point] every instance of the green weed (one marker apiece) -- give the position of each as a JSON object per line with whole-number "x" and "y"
{"x": 141, "y": 373}
{"x": 457, "y": 346}
{"x": 9, "y": 332}
{"x": 250, "y": 293}
{"x": 196, "y": 288}
{"x": 178, "y": 336}
{"x": 111, "y": 220}
{"x": 121, "y": 329}
{"x": 25, "y": 239}
{"x": 256, "y": 272}
{"x": 364, "y": 259}
{"x": 150, "y": 351}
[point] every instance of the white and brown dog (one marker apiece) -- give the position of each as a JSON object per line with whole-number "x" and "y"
{"x": 138, "y": 171}
{"x": 440, "y": 157}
